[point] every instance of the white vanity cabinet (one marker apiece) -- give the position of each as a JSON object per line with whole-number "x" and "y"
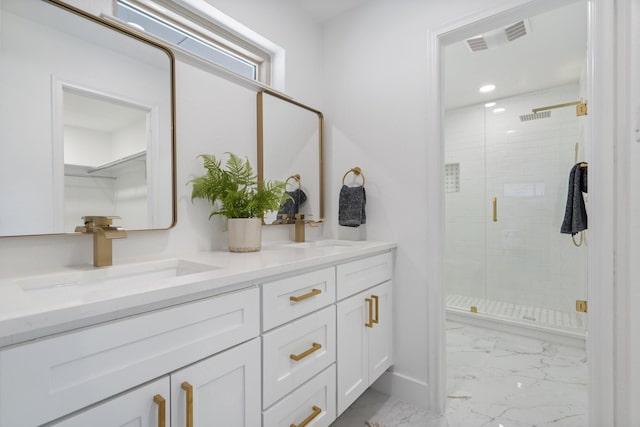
{"x": 364, "y": 326}
{"x": 274, "y": 343}
{"x": 145, "y": 406}
{"x": 340, "y": 314}
{"x": 299, "y": 349}
{"x": 221, "y": 390}
{"x": 48, "y": 379}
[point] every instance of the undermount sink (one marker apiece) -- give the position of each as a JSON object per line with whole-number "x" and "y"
{"x": 324, "y": 244}
{"x": 118, "y": 275}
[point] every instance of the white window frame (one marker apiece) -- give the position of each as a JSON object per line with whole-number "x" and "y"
{"x": 201, "y": 20}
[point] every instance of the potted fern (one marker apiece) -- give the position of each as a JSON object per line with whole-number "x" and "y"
{"x": 234, "y": 192}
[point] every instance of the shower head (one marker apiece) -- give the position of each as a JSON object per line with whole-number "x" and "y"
{"x": 535, "y": 116}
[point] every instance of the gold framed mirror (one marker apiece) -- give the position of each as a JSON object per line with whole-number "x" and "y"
{"x": 87, "y": 124}
{"x": 291, "y": 150}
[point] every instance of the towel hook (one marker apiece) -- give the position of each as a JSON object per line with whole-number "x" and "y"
{"x": 295, "y": 177}
{"x": 356, "y": 171}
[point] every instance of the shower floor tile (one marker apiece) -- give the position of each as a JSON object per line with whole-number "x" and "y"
{"x": 571, "y": 321}
{"x": 493, "y": 378}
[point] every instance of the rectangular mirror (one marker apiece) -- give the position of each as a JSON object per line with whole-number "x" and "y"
{"x": 290, "y": 149}
{"x": 86, "y": 122}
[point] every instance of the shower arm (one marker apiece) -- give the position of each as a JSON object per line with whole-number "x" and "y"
{"x": 581, "y": 109}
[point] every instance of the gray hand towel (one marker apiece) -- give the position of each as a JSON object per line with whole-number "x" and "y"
{"x": 292, "y": 206}
{"x": 575, "y": 215}
{"x": 351, "y": 204}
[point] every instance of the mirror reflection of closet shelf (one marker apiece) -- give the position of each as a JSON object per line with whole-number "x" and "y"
{"x": 109, "y": 170}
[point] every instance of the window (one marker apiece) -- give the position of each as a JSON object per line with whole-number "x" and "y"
{"x": 197, "y": 35}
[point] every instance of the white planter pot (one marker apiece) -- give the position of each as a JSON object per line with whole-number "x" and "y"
{"x": 245, "y": 234}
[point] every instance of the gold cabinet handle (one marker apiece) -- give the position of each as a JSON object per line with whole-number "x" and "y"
{"x": 376, "y": 300}
{"x": 314, "y": 347}
{"x": 189, "y": 389}
{"x": 316, "y": 411}
{"x": 162, "y": 410}
{"x": 313, "y": 293}
{"x": 369, "y": 302}
{"x": 495, "y": 209}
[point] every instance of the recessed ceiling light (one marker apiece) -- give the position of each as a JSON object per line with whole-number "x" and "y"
{"x": 511, "y": 131}
{"x": 487, "y": 88}
{"x": 498, "y": 110}
{"x": 489, "y": 104}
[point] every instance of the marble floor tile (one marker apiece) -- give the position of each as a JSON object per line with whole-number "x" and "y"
{"x": 494, "y": 379}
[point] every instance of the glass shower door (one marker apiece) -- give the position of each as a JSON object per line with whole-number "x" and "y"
{"x": 533, "y": 273}
{"x": 465, "y": 216}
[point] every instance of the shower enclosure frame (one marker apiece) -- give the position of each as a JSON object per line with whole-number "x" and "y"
{"x": 604, "y": 403}
{"x": 505, "y": 256}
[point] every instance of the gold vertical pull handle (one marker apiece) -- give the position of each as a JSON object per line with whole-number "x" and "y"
{"x": 314, "y": 347}
{"x": 162, "y": 410}
{"x": 313, "y": 293}
{"x": 495, "y": 209}
{"x": 316, "y": 411}
{"x": 369, "y": 323}
{"x": 376, "y": 300}
{"x": 189, "y": 389}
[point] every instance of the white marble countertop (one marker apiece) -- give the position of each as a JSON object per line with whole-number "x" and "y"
{"x": 55, "y": 301}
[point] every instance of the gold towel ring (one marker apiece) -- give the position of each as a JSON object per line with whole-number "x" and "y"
{"x": 295, "y": 177}
{"x": 573, "y": 239}
{"x": 356, "y": 171}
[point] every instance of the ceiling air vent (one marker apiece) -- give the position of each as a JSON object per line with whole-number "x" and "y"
{"x": 515, "y": 31}
{"x": 477, "y": 43}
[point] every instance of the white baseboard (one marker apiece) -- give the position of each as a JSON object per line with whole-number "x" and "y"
{"x": 404, "y": 388}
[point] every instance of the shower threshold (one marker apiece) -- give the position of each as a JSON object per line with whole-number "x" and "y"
{"x": 525, "y": 319}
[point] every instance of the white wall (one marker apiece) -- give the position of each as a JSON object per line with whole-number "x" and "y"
{"x": 376, "y": 71}
{"x": 522, "y": 258}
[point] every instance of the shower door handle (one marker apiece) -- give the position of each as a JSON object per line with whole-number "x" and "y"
{"x": 495, "y": 209}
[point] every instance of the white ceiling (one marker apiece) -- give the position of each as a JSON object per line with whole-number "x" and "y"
{"x": 324, "y": 10}
{"x": 551, "y": 54}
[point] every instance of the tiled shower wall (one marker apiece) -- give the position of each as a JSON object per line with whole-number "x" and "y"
{"x": 521, "y": 258}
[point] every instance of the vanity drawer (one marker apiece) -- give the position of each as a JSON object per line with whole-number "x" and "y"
{"x": 46, "y": 379}
{"x": 296, "y": 352}
{"x": 356, "y": 276}
{"x": 316, "y": 397}
{"x": 293, "y": 297}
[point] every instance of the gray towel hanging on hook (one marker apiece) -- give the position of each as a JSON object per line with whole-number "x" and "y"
{"x": 291, "y": 206}
{"x": 351, "y": 206}
{"x": 575, "y": 215}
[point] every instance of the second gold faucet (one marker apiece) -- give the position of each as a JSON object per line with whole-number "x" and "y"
{"x": 103, "y": 232}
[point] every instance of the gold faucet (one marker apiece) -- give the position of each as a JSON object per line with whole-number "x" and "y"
{"x": 103, "y": 232}
{"x": 299, "y": 226}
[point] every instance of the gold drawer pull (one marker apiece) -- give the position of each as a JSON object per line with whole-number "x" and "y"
{"x": 314, "y": 347}
{"x": 162, "y": 410}
{"x": 316, "y": 411}
{"x": 313, "y": 293}
{"x": 375, "y": 298}
{"x": 189, "y": 389}
{"x": 369, "y": 323}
